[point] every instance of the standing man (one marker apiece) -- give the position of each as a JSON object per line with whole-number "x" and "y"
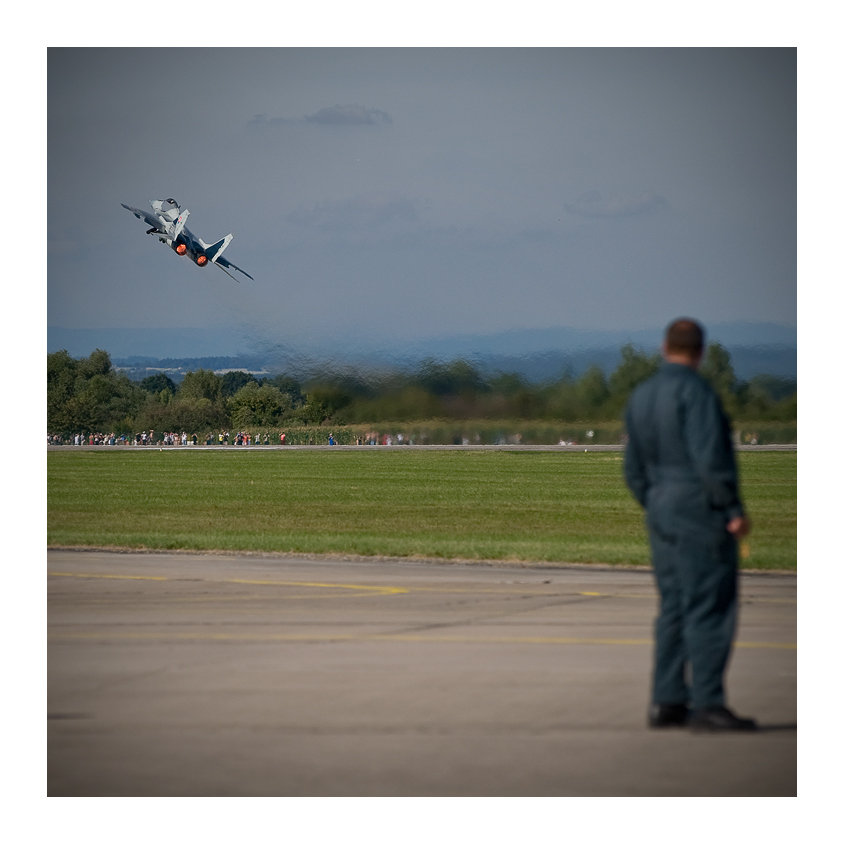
{"x": 680, "y": 466}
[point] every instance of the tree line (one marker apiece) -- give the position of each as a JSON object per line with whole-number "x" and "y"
{"x": 88, "y": 394}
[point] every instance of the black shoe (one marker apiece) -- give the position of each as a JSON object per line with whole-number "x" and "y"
{"x": 719, "y": 719}
{"x": 667, "y": 715}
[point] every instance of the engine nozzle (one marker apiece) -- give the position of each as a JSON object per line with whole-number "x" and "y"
{"x": 181, "y": 249}
{"x": 201, "y": 260}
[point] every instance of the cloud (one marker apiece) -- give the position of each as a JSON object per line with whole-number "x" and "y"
{"x": 337, "y": 115}
{"x": 365, "y": 211}
{"x": 593, "y": 204}
{"x": 349, "y": 115}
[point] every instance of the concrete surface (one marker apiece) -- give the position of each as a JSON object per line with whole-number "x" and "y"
{"x": 183, "y": 674}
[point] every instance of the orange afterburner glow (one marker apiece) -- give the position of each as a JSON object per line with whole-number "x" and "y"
{"x": 181, "y": 249}
{"x": 201, "y": 260}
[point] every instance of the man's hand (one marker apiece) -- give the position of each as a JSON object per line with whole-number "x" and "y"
{"x": 739, "y": 527}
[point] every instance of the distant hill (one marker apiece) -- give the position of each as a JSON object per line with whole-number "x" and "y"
{"x": 536, "y": 354}
{"x": 747, "y": 361}
{"x": 539, "y": 354}
{"x": 149, "y": 343}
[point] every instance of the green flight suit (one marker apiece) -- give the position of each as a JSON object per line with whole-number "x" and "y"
{"x": 680, "y": 466}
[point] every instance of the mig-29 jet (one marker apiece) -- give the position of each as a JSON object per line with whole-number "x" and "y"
{"x": 168, "y": 224}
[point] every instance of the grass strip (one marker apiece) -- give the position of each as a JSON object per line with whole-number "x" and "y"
{"x": 510, "y": 506}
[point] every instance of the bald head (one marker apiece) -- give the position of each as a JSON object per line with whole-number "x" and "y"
{"x": 683, "y": 342}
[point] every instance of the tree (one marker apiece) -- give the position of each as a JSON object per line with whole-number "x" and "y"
{"x": 325, "y": 401}
{"x": 512, "y": 395}
{"x": 88, "y": 395}
{"x": 289, "y": 386}
{"x": 312, "y": 412}
{"x": 202, "y": 384}
{"x": 158, "y": 382}
{"x": 769, "y": 397}
{"x": 183, "y": 413}
{"x": 97, "y": 363}
{"x": 507, "y": 383}
{"x": 234, "y": 381}
{"x": 636, "y": 366}
{"x": 593, "y": 391}
{"x": 257, "y": 404}
{"x": 196, "y": 406}
{"x": 458, "y": 377}
{"x": 560, "y": 398}
{"x": 61, "y": 381}
{"x": 717, "y": 369}
{"x": 395, "y": 404}
{"x": 773, "y": 386}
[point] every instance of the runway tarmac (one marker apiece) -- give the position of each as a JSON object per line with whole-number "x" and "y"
{"x": 190, "y": 674}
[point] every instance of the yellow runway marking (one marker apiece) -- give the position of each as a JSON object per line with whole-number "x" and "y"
{"x": 399, "y": 590}
{"x": 379, "y": 590}
{"x": 105, "y": 576}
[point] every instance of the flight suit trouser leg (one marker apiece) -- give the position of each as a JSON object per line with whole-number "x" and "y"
{"x": 669, "y": 687}
{"x": 697, "y": 578}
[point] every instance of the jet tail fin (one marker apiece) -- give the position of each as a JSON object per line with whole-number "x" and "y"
{"x": 180, "y": 223}
{"x": 215, "y": 250}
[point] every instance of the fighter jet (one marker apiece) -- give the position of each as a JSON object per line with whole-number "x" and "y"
{"x": 168, "y": 224}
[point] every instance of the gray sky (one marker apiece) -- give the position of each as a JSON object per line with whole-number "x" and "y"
{"x": 405, "y": 193}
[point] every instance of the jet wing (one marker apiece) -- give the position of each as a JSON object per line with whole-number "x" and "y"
{"x": 226, "y": 263}
{"x": 149, "y": 219}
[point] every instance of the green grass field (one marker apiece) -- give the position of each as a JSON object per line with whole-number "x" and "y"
{"x": 513, "y": 506}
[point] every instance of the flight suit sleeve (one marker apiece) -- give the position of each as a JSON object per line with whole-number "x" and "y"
{"x": 634, "y": 467}
{"x": 709, "y": 447}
